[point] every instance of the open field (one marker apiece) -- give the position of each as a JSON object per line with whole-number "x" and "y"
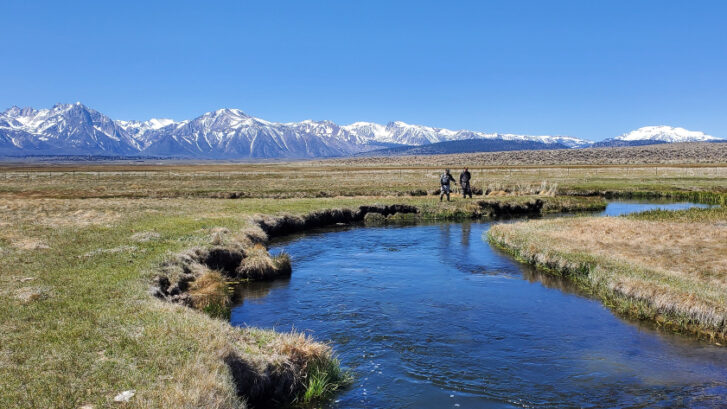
{"x": 356, "y": 177}
{"x": 668, "y": 153}
{"x": 669, "y": 267}
{"x": 81, "y": 247}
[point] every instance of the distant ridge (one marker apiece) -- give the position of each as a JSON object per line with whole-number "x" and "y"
{"x": 464, "y": 146}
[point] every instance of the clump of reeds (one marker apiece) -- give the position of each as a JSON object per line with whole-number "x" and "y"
{"x": 258, "y": 265}
{"x": 319, "y": 371}
{"x": 210, "y": 293}
{"x": 287, "y": 368}
{"x": 548, "y": 189}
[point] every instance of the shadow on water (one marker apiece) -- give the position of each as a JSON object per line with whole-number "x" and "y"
{"x": 431, "y": 316}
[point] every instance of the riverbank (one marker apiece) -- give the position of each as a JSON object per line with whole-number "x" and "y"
{"x": 80, "y": 325}
{"x": 664, "y": 267}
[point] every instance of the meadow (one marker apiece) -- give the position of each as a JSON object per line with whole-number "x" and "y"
{"x": 668, "y": 267}
{"x": 82, "y": 247}
{"x": 339, "y": 179}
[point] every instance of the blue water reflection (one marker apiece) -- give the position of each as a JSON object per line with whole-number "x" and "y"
{"x": 431, "y": 316}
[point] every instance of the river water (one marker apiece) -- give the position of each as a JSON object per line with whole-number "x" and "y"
{"x": 432, "y": 316}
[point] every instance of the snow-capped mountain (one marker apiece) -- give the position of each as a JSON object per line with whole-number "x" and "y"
{"x": 666, "y": 134}
{"x": 657, "y": 134}
{"x": 64, "y": 129}
{"x": 405, "y": 134}
{"x": 401, "y": 133}
{"x": 74, "y": 129}
{"x": 230, "y": 133}
{"x": 138, "y": 129}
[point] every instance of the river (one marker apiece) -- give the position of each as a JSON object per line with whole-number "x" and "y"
{"x": 432, "y": 316}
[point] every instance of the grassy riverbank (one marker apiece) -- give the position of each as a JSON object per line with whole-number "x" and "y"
{"x": 665, "y": 267}
{"x": 79, "y": 325}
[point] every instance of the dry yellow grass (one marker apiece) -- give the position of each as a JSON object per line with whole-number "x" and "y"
{"x": 669, "y": 271}
{"x": 689, "y": 251}
{"x": 209, "y": 289}
{"x": 259, "y": 265}
{"x": 507, "y": 171}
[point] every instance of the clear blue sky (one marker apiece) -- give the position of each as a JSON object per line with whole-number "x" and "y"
{"x": 592, "y": 69}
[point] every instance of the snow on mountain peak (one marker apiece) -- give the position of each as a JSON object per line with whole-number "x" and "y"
{"x": 230, "y": 133}
{"x": 156, "y": 123}
{"x": 369, "y": 131}
{"x": 139, "y": 129}
{"x": 231, "y": 112}
{"x": 665, "y": 133}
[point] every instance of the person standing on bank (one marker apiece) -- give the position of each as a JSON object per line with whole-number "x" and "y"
{"x": 444, "y": 180}
{"x": 464, "y": 182}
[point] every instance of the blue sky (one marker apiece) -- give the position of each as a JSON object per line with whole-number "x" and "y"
{"x": 591, "y": 69}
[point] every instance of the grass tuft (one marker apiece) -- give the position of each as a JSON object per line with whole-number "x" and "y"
{"x": 210, "y": 293}
{"x": 258, "y": 265}
{"x": 324, "y": 378}
{"x": 320, "y": 371}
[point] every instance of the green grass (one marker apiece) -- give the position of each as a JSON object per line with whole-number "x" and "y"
{"x": 324, "y": 380}
{"x": 693, "y": 215}
{"x": 97, "y": 332}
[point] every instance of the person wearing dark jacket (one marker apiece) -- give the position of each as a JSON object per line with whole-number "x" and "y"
{"x": 464, "y": 181}
{"x": 444, "y": 180}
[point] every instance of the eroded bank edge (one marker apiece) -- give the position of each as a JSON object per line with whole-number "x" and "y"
{"x": 203, "y": 278}
{"x": 640, "y": 309}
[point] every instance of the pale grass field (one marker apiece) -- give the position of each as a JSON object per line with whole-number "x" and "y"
{"x": 673, "y": 266}
{"x": 331, "y": 179}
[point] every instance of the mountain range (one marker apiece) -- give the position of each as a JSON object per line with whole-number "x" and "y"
{"x": 74, "y": 129}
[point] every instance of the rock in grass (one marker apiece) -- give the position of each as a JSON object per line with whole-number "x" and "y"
{"x": 125, "y": 396}
{"x": 27, "y": 295}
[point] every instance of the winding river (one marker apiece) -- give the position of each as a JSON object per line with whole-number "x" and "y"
{"x": 432, "y": 316}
